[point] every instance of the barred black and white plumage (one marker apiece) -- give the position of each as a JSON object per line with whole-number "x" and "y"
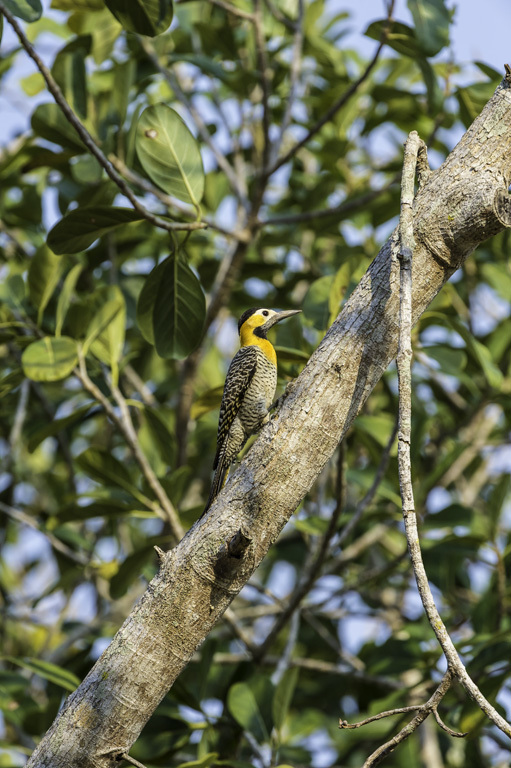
{"x": 248, "y": 391}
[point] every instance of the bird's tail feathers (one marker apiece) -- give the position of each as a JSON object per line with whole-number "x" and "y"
{"x": 221, "y": 470}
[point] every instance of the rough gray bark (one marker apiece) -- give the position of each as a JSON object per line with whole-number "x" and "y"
{"x": 459, "y": 206}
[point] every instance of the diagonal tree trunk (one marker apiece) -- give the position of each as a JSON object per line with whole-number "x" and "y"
{"x": 459, "y": 206}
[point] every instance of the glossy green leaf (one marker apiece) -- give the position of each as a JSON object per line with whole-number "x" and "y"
{"x": 245, "y": 710}
{"x": 211, "y": 758}
{"x": 144, "y": 17}
{"x": 65, "y": 296}
{"x": 499, "y": 277}
{"x": 49, "y": 123}
{"x": 401, "y": 37}
{"x": 283, "y": 696}
{"x": 169, "y": 153}
{"x": 104, "y": 468}
{"x": 80, "y": 228}
{"x": 316, "y": 305}
{"x": 28, "y": 10}
{"x": 109, "y": 507}
{"x": 105, "y": 334}
{"x": 47, "y": 670}
{"x": 130, "y": 570}
{"x": 451, "y": 360}
{"x": 431, "y": 21}
{"x": 311, "y": 525}
{"x": 69, "y": 72}
{"x": 43, "y": 275}
{"x": 207, "y": 402}
{"x": 55, "y": 426}
{"x": 50, "y": 359}
{"x": 171, "y": 309}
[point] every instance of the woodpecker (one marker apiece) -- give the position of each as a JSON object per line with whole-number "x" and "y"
{"x": 249, "y": 390}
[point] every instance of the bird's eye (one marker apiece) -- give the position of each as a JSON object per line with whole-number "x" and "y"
{"x": 266, "y": 313}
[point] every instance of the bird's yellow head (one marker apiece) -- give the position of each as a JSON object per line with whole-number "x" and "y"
{"x": 254, "y": 325}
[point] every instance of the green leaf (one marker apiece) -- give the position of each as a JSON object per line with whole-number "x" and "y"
{"x": 207, "y": 402}
{"x": 171, "y": 309}
{"x": 245, "y": 710}
{"x": 211, "y": 758}
{"x": 401, "y": 38}
{"x": 316, "y": 305}
{"x": 65, "y": 296}
{"x": 144, "y": 17}
{"x": 48, "y": 671}
{"x": 43, "y": 275}
{"x": 109, "y": 344}
{"x": 431, "y": 20}
{"x": 108, "y": 507}
{"x": 50, "y": 359}
{"x": 104, "y": 468}
{"x": 451, "y": 359}
{"x": 130, "y": 570}
{"x": 69, "y": 72}
{"x": 54, "y": 427}
{"x": 312, "y": 525}
{"x": 28, "y": 10}
{"x": 105, "y": 333}
{"x": 499, "y": 277}
{"x": 78, "y": 229}
{"x": 283, "y": 696}
{"x": 49, "y": 123}
{"x": 169, "y": 153}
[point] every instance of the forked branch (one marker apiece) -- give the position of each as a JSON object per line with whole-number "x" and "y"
{"x": 414, "y": 149}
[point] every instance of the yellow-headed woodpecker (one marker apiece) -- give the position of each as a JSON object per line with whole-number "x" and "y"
{"x": 248, "y": 391}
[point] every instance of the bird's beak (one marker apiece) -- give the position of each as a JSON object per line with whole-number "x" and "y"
{"x": 278, "y": 317}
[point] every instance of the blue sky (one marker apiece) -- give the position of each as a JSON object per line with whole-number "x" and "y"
{"x": 480, "y": 32}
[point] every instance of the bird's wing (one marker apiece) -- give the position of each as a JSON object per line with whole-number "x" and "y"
{"x": 239, "y": 376}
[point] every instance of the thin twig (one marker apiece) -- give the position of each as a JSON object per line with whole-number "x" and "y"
{"x": 338, "y": 211}
{"x": 87, "y": 139}
{"x": 444, "y": 727}
{"x": 341, "y": 101}
{"x": 164, "y": 508}
{"x": 345, "y": 726}
{"x": 132, "y": 760}
{"x": 232, "y": 9}
{"x": 404, "y": 359}
{"x": 170, "y": 202}
{"x": 423, "y": 712}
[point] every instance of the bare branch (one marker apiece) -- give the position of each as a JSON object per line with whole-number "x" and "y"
{"x": 423, "y": 712}
{"x": 404, "y": 360}
{"x": 87, "y": 138}
{"x": 171, "y": 202}
{"x": 344, "y": 725}
{"x": 339, "y": 211}
{"x": 454, "y": 734}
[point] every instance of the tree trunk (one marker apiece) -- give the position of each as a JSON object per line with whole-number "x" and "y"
{"x": 459, "y": 206}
